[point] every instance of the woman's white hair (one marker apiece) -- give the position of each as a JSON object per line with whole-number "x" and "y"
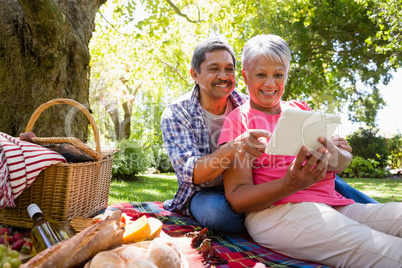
{"x": 271, "y": 46}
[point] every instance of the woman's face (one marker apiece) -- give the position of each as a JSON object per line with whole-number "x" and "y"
{"x": 265, "y": 80}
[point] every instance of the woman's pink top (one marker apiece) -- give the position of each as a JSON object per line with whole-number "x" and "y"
{"x": 272, "y": 167}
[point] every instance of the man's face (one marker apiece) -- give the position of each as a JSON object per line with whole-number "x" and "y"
{"x": 217, "y": 76}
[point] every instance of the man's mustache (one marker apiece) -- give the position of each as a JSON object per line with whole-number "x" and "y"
{"x": 222, "y": 81}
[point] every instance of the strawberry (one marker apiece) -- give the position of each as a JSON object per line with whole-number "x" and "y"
{"x": 5, "y": 238}
{"x": 26, "y": 248}
{"x": 17, "y": 236}
{"x": 10, "y": 240}
{"x": 4, "y": 230}
{"x": 98, "y": 220}
{"x": 27, "y": 234}
{"x": 18, "y": 244}
{"x": 123, "y": 220}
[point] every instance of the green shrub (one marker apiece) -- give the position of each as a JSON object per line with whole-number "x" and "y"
{"x": 162, "y": 161}
{"x": 131, "y": 159}
{"x": 395, "y": 149}
{"x": 368, "y": 145}
{"x": 364, "y": 168}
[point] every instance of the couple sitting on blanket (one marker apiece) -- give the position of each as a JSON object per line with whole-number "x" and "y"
{"x": 300, "y": 208}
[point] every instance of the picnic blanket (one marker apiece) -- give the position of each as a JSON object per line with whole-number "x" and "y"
{"x": 238, "y": 249}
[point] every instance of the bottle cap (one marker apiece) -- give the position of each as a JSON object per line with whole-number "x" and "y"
{"x": 33, "y": 209}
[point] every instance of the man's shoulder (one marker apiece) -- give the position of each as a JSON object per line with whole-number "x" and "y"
{"x": 240, "y": 94}
{"x": 185, "y": 98}
{"x": 239, "y": 97}
{"x": 180, "y": 106}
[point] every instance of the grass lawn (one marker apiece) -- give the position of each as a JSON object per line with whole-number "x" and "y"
{"x": 148, "y": 187}
{"x": 160, "y": 187}
{"x": 382, "y": 190}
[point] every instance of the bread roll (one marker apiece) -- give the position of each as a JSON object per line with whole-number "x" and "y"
{"x": 164, "y": 254}
{"x": 130, "y": 253}
{"x": 107, "y": 259}
{"x": 141, "y": 263}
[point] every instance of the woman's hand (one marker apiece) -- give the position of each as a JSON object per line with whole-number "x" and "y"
{"x": 307, "y": 169}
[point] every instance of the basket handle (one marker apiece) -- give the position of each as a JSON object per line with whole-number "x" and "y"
{"x": 74, "y": 103}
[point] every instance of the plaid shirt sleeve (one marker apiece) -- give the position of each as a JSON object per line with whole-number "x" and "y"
{"x": 186, "y": 139}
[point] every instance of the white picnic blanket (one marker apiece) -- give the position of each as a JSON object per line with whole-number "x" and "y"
{"x": 20, "y": 164}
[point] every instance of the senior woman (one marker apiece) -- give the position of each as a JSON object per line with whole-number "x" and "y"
{"x": 290, "y": 202}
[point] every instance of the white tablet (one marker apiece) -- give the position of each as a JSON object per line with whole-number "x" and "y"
{"x": 296, "y": 128}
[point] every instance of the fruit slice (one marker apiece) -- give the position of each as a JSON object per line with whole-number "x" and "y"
{"x": 156, "y": 227}
{"x": 137, "y": 231}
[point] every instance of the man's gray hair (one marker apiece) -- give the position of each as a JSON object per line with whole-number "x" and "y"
{"x": 209, "y": 45}
{"x": 271, "y": 46}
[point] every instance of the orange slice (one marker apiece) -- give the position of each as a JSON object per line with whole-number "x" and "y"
{"x": 156, "y": 227}
{"x": 137, "y": 231}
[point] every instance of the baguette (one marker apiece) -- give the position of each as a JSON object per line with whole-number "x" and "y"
{"x": 78, "y": 249}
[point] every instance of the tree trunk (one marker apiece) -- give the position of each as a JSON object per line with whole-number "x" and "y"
{"x": 128, "y": 109}
{"x": 113, "y": 111}
{"x": 44, "y": 55}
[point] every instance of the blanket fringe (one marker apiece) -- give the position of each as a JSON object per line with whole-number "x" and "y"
{"x": 202, "y": 243}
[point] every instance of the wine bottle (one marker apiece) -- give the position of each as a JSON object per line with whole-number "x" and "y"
{"x": 45, "y": 232}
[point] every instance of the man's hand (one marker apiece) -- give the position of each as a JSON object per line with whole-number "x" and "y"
{"x": 341, "y": 143}
{"x": 300, "y": 176}
{"x": 252, "y": 142}
{"x": 209, "y": 167}
{"x": 340, "y": 153}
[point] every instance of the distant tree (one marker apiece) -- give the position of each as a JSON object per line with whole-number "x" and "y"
{"x": 387, "y": 15}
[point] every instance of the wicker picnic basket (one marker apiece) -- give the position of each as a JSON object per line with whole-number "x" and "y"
{"x": 66, "y": 190}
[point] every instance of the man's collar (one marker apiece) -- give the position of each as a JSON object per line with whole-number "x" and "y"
{"x": 237, "y": 98}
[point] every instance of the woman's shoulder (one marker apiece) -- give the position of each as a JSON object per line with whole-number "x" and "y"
{"x": 297, "y": 104}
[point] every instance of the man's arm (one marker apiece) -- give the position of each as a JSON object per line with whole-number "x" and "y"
{"x": 180, "y": 142}
{"x": 208, "y": 167}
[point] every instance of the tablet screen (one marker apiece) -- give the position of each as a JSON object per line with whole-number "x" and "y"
{"x": 296, "y": 128}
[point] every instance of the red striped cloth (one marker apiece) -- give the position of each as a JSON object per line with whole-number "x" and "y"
{"x": 6, "y": 194}
{"x": 20, "y": 163}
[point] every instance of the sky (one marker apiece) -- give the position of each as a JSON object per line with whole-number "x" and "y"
{"x": 389, "y": 119}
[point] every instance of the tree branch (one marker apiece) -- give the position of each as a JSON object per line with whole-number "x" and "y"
{"x": 177, "y": 10}
{"x": 173, "y": 69}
